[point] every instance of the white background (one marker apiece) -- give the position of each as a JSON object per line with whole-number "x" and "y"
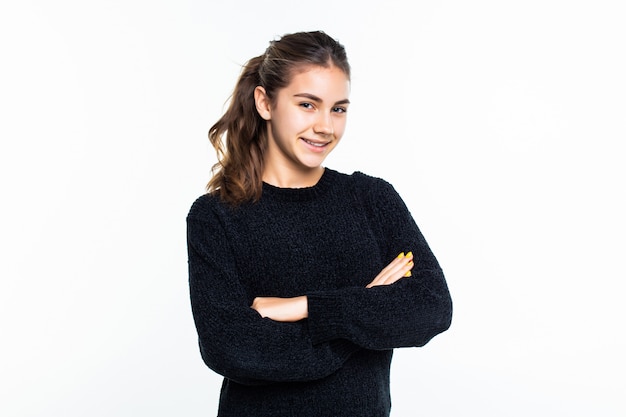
{"x": 501, "y": 123}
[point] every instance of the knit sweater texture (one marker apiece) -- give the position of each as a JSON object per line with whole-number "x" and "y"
{"x": 327, "y": 242}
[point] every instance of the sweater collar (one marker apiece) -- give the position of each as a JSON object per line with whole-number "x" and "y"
{"x": 300, "y": 194}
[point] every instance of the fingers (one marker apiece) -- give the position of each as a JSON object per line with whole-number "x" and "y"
{"x": 399, "y": 268}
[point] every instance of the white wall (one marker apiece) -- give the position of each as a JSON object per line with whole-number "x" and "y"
{"x": 500, "y": 123}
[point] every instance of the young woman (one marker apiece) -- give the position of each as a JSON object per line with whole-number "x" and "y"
{"x": 303, "y": 279}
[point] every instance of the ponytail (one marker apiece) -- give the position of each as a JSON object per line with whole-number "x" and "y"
{"x": 240, "y": 139}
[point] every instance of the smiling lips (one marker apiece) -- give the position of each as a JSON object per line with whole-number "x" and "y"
{"x": 315, "y": 146}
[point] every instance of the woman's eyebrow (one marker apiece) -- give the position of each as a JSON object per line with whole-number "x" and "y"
{"x": 316, "y": 99}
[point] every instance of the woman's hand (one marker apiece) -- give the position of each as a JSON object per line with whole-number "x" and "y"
{"x": 282, "y": 309}
{"x": 398, "y": 268}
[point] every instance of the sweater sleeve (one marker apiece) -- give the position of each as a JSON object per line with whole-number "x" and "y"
{"x": 407, "y": 313}
{"x": 235, "y": 341}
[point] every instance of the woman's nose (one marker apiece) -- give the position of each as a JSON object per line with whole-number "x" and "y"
{"x": 324, "y": 125}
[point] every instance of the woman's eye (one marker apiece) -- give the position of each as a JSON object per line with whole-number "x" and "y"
{"x": 340, "y": 109}
{"x": 306, "y": 105}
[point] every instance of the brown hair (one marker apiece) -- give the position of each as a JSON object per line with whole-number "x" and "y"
{"x": 240, "y": 135}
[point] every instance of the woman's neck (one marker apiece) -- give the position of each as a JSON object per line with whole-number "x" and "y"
{"x": 290, "y": 178}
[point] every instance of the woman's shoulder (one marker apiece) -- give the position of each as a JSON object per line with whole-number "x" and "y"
{"x": 374, "y": 191}
{"x": 204, "y": 206}
{"x": 368, "y": 184}
{"x": 368, "y": 179}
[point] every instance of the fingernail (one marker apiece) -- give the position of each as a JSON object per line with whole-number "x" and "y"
{"x": 401, "y": 255}
{"x": 409, "y": 254}
{"x": 408, "y": 274}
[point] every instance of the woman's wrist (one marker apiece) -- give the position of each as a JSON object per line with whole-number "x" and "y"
{"x": 282, "y": 309}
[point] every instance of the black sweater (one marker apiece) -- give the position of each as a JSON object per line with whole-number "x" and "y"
{"x": 326, "y": 242}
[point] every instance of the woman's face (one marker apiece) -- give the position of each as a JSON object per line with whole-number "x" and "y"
{"x": 307, "y": 119}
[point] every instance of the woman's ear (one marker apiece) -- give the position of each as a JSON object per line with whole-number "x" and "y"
{"x": 262, "y": 102}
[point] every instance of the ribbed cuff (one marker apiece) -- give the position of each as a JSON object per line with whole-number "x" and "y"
{"x": 325, "y": 317}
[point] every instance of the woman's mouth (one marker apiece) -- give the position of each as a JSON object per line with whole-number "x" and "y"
{"x": 316, "y": 145}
